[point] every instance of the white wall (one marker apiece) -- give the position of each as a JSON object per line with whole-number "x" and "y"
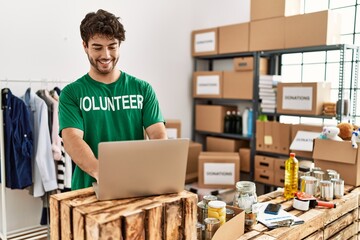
{"x": 40, "y": 40}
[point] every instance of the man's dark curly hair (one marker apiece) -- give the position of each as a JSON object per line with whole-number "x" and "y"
{"x": 102, "y": 23}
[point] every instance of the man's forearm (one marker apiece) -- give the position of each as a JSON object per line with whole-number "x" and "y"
{"x": 81, "y": 153}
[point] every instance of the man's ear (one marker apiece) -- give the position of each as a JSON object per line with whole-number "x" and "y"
{"x": 85, "y": 46}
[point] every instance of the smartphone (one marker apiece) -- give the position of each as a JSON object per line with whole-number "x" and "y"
{"x": 272, "y": 208}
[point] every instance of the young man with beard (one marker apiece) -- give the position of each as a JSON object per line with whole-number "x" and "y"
{"x": 105, "y": 104}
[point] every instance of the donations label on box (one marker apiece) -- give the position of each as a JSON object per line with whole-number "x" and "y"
{"x": 303, "y": 141}
{"x": 297, "y": 98}
{"x": 208, "y": 85}
{"x": 219, "y": 173}
{"x": 205, "y": 42}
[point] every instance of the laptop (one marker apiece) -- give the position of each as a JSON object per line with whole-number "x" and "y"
{"x": 141, "y": 168}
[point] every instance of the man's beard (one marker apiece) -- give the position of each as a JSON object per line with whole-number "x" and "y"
{"x": 95, "y": 64}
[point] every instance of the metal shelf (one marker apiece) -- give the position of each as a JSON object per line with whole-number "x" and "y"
{"x": 226, "y": 135}
{"x": 275, "y": 68}
{"x": 297, "y": 115}
{"x": 225, "y": 56}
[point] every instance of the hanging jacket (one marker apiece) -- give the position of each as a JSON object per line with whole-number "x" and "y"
{"x": 44, "y": 174}
{"x": 17, "y": 141}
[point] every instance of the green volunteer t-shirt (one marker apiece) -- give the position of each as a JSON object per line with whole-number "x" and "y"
{"x": 107, "y": 112}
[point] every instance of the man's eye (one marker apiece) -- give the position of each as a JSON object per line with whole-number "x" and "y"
{"x": 112, "y": 48}
{"x": 97, "y": 49}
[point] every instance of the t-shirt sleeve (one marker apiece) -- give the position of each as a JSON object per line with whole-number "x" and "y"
{"x": 69, "y": 110}
{"x": 151, "y": 108}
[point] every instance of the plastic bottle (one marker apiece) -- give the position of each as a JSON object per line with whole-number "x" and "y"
{"x": 238, "y": 123}
{"x": 233, "y": 122}
{"x": 245, "y": 121}
{"x": 227, "y": 122}
{"x": 250, "y": 122}
{"x": 291, "y": 176}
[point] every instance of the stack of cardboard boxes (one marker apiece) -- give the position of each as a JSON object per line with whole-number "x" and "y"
{"x": 277, "y": 138}
{"x": 218, "y": 166}
{"x": 274, "y": 25}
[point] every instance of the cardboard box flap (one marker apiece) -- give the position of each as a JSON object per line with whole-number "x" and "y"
{"x": 219, "y": 156}
{"x": 335, "y": 151}
{"x": 232, "y": 229}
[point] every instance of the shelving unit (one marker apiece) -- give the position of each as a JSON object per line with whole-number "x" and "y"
{"x": 276, "y": 59}
{"x": 254, "y": 102}
{"x": 275, "y": 65}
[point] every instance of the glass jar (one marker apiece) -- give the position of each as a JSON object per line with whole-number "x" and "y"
{"x": 245, "y": 198}
{"x": 217, "y": 209}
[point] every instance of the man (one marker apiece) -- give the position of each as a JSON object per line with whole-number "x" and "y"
{"x": 105, "y": 104}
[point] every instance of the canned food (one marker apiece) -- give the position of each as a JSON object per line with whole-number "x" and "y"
{"x": 327, "y": 190}
{"x": 308, "y": 185}
{"x": 338, "y": 187}
{"x": 211, "y": 226}
{"x": 229, "y": 214}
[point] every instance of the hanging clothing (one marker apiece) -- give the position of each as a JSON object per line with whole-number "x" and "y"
{"x": 55, "y": 138}
{"x": 64, "y": 165}
{"x": 18, "y": 141}
{"x": 49, "y": 104}
{"x": 42, "y": 158}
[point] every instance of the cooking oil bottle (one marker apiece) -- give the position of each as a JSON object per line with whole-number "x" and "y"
{"x": 291, "y": 176}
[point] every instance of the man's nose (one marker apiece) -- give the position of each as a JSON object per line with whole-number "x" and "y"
{"x": 105, "y": 53}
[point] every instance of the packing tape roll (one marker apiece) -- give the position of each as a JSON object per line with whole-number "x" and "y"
{"x": 302, "y": 205}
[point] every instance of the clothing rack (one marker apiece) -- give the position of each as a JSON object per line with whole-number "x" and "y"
{"x": 33, "y": 232}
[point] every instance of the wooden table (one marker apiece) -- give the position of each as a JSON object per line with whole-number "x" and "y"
{"x": 79, "y": 215}
{"x": 341, "y": 222}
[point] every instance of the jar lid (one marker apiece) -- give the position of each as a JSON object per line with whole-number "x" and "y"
{"x": 308, "y": 178}
{"x": 209, "y": 198}
{"x": 217, "y": 204}
{"x": 248, "y": 184}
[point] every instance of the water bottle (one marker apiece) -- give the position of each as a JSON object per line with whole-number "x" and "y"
{"x": 250, "y": 121}
{"x": 245, "y": 116}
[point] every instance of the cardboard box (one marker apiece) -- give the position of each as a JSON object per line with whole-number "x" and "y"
{"x": 219, "y": 169}
{"x": 302, "y": 98}
{"x": 300, "y": 30}
{"x": 216, "y": 144}
{"x": 193, "y": 162}
{"x": 210, "y": 118}
{"x": 339, "y": 156}
{"x": 247, "y": 64}
{"x": 273, "y": 137}
{"x": 264, "y": 162}
{"x": 173, "y": 128}
{"x": 279, "y": 165}
{"x": 238, "y": 85}
{"x": 264, "y": 176}
{"x": 244, "y": 159}
{"x": 234, "y": 38}
{"x": 260, "y": 127}
{"x": 204, "y": 42}
{"x": 303, "y": 127}
{"x": 268, "y": 137}
{"x": 279, "y": 178}
{"x": 268, "y": 34}
{"x": 262, "y": 9}
{"x": 207, "y": 84}
{"x": 232, "y": 229}
{"x": 281, "y": 137}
